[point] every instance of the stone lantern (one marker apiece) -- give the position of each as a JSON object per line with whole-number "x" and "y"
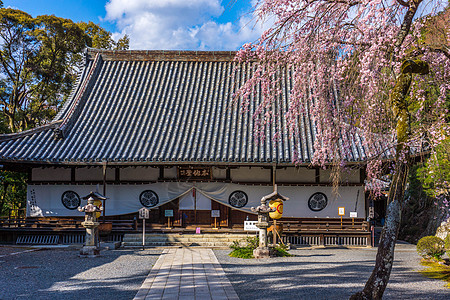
{"x": 91, "y": 249}
{"x": 263, "y": 211}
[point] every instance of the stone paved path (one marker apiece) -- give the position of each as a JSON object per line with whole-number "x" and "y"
{"x": 187, "y": 273}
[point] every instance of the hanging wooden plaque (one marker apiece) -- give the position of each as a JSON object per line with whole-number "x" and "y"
{"x": 194, "y": 173}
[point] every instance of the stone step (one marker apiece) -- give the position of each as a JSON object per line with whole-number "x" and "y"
{"x": 207, "y": 235}
{"x": 181, "y": 240}
{"x": 205, "y": 240}
{"x": 162, "y": 244}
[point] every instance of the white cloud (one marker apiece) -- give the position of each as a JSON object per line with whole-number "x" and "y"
{"x": 179, "y": 25}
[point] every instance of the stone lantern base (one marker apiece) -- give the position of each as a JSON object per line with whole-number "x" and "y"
{"x": 262, "y": 252}
{"x": 89, "y": 251}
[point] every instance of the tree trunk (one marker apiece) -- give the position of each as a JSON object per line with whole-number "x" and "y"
{"x": 377, "y": 282}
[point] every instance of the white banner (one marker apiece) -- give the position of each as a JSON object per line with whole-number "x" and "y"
{"x": 46, "y": 200}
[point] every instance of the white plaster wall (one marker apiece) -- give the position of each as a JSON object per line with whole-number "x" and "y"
{"x": 325, "y": 175}
{"x": 218, "y": 173}
{"x": 50, "y": 174}
{"x": 296, "y": 175}
{"x": 246, "y": 174}
{"x": 170, "y": 173}
{"x": 347, "y": 176}
{"x": 351, "y": 176}
{"x": 139, "y": 174}
{"x": 93, "y": 174}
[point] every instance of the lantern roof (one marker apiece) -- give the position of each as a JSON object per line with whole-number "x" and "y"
{"x": 95, "y": 195}
{"x": 275, "y": 195}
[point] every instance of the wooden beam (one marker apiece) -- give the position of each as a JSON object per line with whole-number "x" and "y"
{"x": 72, "y": 174}
{"x": 117, "y": 176}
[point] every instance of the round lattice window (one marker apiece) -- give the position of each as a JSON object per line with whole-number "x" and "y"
{"x": 70, "y": 200}
{"x": 238, "y": 199}
{"x": 317, "y": 201}
{"x": 148, "y": 198}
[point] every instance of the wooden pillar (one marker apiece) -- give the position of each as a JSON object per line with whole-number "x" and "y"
{"x": 161, "y": 173}
{"x": 117, "y": 175}
{"x": 104, "y": 189}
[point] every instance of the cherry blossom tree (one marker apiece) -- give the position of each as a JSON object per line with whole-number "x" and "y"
{"x": 379, "y": 69}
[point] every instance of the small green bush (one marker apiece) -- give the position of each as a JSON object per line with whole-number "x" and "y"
{"x": 251, "y": 243}
{"x": 431, "y": 247}
{"x": 281, "y": 251}
{"x": 447, "y": 244}
{"x": 243, "y": 252}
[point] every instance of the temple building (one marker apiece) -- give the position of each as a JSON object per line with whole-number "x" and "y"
{"x": 159, "y": 129}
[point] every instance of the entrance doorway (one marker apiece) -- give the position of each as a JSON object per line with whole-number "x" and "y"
{"x": 196, "y": 209}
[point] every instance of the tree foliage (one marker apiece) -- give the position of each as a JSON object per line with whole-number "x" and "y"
{"x": 374, "y": 71}
{"x": 39, "y": 59}
{"x": 102, "y": 39}
{"x": 13, "y": 190}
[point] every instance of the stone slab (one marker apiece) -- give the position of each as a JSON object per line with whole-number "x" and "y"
{"x": 187, "y": 273}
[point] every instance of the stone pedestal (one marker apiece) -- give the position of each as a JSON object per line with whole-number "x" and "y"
{"x": 89, "y": 251}
{"x": 90, "y": 248}
{"x": 262, "y": 252}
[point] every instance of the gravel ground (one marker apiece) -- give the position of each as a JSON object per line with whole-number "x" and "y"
{"x": 327, "y": 274}
{"x": 61, "y": 274}
{"x": 118, "y": 274}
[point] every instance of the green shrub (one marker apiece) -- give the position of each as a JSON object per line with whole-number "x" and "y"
{"x": 431, "y": 247}
{"x": 447, "y": 244}
{"x": 251, "y": 243}
{"x": 436, "y": 270}
{"x": 243, "y": 252}
{"x": 281, "y": 251}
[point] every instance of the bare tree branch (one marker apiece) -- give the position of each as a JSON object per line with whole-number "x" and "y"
{"x": 403, "y": 3}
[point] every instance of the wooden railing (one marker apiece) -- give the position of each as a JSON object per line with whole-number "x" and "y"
{"x": 325, "y": 224}
{"x": 60, "y": 224}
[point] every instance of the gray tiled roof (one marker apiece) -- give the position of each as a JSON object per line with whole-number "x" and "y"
{"x": 153, "y": 107}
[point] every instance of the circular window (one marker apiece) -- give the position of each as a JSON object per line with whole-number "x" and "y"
{"x": 148, "y": 198}
{"x": 70, "y": 200}
{"x": 238, "y": 199}
{"x": 317, "y": 201}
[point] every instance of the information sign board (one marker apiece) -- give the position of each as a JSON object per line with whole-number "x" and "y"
{"x": 215, "y": 213}
{"x": 341, "y": 211}
{"x": 144, "y": 213}
{"x": 168, "y": 213}
{"x": 250, "y": 226}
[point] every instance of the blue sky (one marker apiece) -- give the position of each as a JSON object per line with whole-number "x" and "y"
{"x": 160, "y": 24}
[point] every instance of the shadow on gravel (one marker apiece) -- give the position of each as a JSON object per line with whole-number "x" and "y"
{"x": 61, "y": 274}
{"x": 312, "y": 255}
{"x": 320, "y": 276}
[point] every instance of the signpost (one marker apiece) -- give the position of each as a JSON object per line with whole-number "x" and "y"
{"x": 168, "y": 213}
{"x": 353, "y": 215}
{"x": 144, "y": 213}
{"x": 215, "y": 213}
{"x": 341, "y": 212}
